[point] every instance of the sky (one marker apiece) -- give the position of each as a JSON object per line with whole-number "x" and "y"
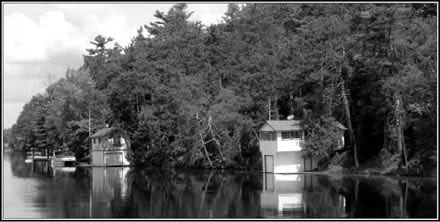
{"x": 41, "y": 41}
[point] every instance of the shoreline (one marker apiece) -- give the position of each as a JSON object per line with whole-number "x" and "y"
{"x": 328, "y": 172}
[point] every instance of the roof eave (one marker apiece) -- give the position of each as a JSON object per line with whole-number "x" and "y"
{"x": 266, "y": 123}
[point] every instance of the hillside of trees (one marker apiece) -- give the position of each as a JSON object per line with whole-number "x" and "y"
{"x": 191, "y": 95}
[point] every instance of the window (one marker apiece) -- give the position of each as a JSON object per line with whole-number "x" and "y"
{"x": 288, "y": 135}
{"x": 268, "y": 136}
{"x": 285, "y": 135}
{"x": 296, "y": 134}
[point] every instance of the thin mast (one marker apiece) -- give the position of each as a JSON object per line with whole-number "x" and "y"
{"x": 89, "y": 122}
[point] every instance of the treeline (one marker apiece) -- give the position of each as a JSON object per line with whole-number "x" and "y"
{"x": 195, "y": 96}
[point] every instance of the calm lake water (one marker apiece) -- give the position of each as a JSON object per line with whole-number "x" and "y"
{"x": 37, "y": 191}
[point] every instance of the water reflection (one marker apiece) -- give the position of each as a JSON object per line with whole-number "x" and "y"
{"x": 168, "y": 193}
{"x": 312, "y": 196}
{"x": 301, "y": 195}
{"x": 108, "y": 192}
{"x": 39, "y": 191}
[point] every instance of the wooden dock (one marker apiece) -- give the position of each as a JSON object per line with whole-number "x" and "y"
{"x": 31, "y": 159}
{"x": 42, "y": 158}
{"x": 33, "y": 155}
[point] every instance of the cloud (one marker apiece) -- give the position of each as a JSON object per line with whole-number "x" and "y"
{"x": 12, "y": 110}
{"x": 27, "y": 40}
{"x": 46, "y": 39}
{"x": 20, "y": 43}
{"x": 25, "y": 80}
{"x": 84, "y": 8}
{"x": 208, "y": 14}
{"x": 115, "y": 26}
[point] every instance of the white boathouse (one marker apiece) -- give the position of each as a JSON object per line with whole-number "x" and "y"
{"x": 281, "y": 144}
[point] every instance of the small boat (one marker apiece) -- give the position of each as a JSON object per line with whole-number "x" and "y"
{"x": 63, "y": 159}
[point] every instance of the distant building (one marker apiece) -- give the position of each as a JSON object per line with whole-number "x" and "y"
{"x": 281, "y": 143}
{"x": 110, "y": 147}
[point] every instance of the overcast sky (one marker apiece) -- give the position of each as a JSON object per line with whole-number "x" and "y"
{"x": 42, "y": 40}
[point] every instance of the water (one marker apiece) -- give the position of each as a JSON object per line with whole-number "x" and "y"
{"x": 37, "y": 191}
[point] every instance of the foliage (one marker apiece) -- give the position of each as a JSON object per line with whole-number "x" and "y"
{"x": 58, "y": 119}
{"x": 321, "y": 137}
{"x": 7, "y": 136}
{"x": 180, "y": 86}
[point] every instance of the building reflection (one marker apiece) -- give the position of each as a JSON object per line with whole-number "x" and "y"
{"x": 282, "y": 195}
{"x": 299, "y": 195}
{"x": 108, "y": 189}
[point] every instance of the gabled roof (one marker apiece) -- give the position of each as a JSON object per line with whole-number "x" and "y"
{"x": 283, "y": 125}
{"x": 288, "y": 125}
{"x": 103, "y": 132}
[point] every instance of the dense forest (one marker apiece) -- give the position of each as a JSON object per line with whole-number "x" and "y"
{"x": 191, "y": 95}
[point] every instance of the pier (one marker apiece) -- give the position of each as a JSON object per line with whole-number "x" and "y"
{"x": 34, "y": 155}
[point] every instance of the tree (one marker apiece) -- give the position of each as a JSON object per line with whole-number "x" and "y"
{"x": 103, "y": 63}
{"x": 193, "y": 96}
{"x": 390, "y": 50}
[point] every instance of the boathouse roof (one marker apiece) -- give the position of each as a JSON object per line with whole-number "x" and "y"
{"x": 289, "y": 125}
{"x": 107, "y": 132}
{"x": 102, "y": 132}
{"x": 281, "y": 125}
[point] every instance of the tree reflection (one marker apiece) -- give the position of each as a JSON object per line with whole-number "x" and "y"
{"x": 175, "y": 194}
{"x": 121, "y": 192}
{"x": 338, "y": 196}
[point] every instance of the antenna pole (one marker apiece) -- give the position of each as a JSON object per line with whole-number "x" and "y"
{"x": 270, "y": 108}
{"x": 89, "y": 122}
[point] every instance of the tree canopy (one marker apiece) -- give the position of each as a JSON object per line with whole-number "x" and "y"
{"x": 194, "y": 96}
